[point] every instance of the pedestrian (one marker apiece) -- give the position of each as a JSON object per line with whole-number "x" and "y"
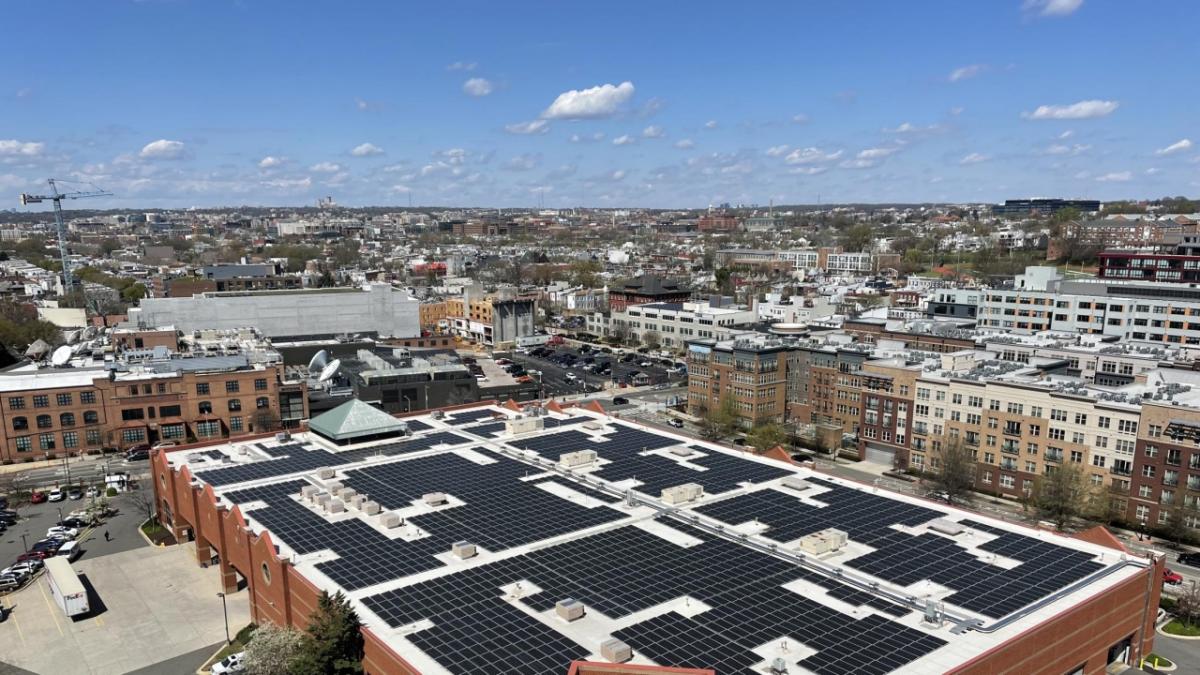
{"x": 106, "y": 537}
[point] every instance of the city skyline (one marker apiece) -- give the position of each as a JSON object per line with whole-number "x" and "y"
{"x": 574, "y": 106}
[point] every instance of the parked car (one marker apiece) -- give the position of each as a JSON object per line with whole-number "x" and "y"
{"x": 38, "y": 555}
{"x": 18, "y": 573}
{"x": 69, "y": 532}
{"x": 56, "y": 495}
{"x": 7, "y": 585}
{"x": 73, "y": 521}
{"x": 677, "y": 423}
{"x": 37, "y": 497}
{"x": 1172, "y": 577}
{"x": 92, "y": 493}
{"x": 137, "y": 454}
{"x": 234, "y": 663}
{"x": 75, "y": 494}
{"x": 620, "y": 400}
{"x": 1189, "y": 559}
{"x": 164, "y": 444}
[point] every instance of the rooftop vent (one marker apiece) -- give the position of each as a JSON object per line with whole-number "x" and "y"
{"x": 434, "y": 498}
{"x": 682, "y": 494}
{"x": 569, "y": 609}
{"x": 463, "y": 550}
{"x": 577, "y": 458}
{"x": 615, "y": 650}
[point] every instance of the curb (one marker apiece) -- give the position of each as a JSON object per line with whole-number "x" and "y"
{"x": 1160, "y": 631}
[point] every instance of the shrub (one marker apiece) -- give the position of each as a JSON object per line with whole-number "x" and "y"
{"x": 111, "y": 492}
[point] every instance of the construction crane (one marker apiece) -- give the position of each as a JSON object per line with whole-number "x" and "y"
{"x": 57, "y": 197}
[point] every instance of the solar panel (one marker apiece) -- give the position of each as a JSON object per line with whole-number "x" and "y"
{"x": 286, "y": 459}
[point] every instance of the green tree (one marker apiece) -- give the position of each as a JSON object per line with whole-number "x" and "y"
{"x": 109, "y": 245}
{"x": 858, "y": 237}
{"x": 1061, "y": 494}
{"x": 134, "y": 292}
{"x": 273, "y": 650}
{"x": 766, "y": 436}
{"x": 333, "y": 643}
{"x": 585, "y": 273}
{"x": 724, "y": 279}
{"x": 954, "y": 476}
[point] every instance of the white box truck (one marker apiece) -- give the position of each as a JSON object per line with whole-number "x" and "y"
{"x": 66, "y": 588}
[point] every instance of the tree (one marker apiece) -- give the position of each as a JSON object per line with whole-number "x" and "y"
{"x": 766, "y": 436}
{"x": 858, "y": 237}
{"x": 1187, "y": 605}
{"x": 1061, "y": 494}
{"x": 651, "y": 339}
{"x": 273, "y": 650}
{"x": 720, "y": 422}
{"x": 724, "y": 278}
{"x": 143, "y": 497}
{"x": 955, "y": 474}
{"x": 1176, "y": 528}
{"x": 109, "y": 245}
{"x": 133, "y": 293}
{"x": 333, "y": 643}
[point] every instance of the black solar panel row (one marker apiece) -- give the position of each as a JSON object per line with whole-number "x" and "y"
{"x": 289, "y": 459}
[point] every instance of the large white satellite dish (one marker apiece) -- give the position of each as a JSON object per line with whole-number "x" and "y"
{"x": 330, "y": 370}
{"x": 318, "y": 361}
{"x": 60, "y": 356}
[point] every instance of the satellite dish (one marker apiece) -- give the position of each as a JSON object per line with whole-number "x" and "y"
{"x": 330, "y": 370}
{"x": 318, "y": 361}
{"x": 60, "y": 356}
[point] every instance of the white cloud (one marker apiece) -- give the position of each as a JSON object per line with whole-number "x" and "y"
{"x": 528, "y": 128}
{"x": 325, "y": 167}
{"x": 965, "y": 72}
{"x": 904, "y": 128}
{"x": 625, "y": 139}
{"x": 270, "y": 162}
{"x": 1067, "y": 134}
{"x": 777, "y": 150}
{"x": 289, "y": 183}
{"x": 1076, "y": 111}
{"x": 477, "y": 86}
{"x": 366, "y": 150}
{"x": 711, "y": 124}
{"x": 685, "y": 144}
{"x": 592, "y": 103}
{"x": 524, "y": 162}
{"x": 876, "y": 153}
{"x": 1065, "y": 149}
{"x": 811, "y": 156}
{"x": 15, "y": 148}
{"x": 808, "y": 170}
{"x": 653, "y": 131}
{"x": 957, "y": 110}
{"x": 858, "y": 164}
{"x": 617, "y": 175}
{"x": 1115, "y": 177}
{"x": 1052, "y": 7}
{"x": 400, "y": 189}
{"x": 462, "y": 65}
{"x": 974, "y": 158}
{"x": 800, "y": 118}
{"x": 163, "y": 149}
{"x": 1153, "y": 171}
{"x": 24, "y": 92}
{"x": 1178, "y": 146}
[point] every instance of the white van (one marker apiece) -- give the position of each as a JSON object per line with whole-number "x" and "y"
{"x": 69, "y": 550}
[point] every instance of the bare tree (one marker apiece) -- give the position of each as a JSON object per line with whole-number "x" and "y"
{"x": 1061, "y": 494}
{"x": 955, "y": 474}
{"x": 272, "y": 650}
{"x": 1187, "y": 604}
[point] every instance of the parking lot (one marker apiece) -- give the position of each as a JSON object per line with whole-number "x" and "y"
{"x": 149, "y": 604}
{"x": 555, "y": 380}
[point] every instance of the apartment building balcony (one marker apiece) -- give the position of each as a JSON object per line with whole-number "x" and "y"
{"x": 1010, "y": 449}
{"x": 1120, "y": 471}
{"x": 1054, "y": 457}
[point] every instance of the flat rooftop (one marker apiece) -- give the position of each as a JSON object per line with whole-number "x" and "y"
{"x": 741, "y": 566}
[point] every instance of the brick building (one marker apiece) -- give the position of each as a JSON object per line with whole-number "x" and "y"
{"x": 750, "y": 370}
{"x": 643, "y": 290}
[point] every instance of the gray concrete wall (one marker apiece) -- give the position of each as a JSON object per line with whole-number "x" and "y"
{"x": 380, "y": 309}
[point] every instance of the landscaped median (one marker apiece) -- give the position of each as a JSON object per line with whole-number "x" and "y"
{"x": 155, "y": 534}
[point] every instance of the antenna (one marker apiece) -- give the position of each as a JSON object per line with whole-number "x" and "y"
{"x": 60, "y": 356}
{"x": 330, "y": 370}
{"x": 318, "y": 361}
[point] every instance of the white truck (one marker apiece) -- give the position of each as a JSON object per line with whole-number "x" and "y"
{"x": 66, "y": 588}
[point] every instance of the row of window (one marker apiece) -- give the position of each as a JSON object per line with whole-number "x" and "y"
{"x": 43, "y": 400}
{"x": 48, "y": 442}
{"x": 47, "y": 422}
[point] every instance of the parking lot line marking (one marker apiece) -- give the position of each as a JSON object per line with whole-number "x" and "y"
{"x": 7, "y": 607}
{"x": 50, "y": 606}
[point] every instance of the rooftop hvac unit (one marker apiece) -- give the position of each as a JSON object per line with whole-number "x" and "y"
{"x": 577, "y": 458}
{"x": 335, "y": 487}
{"x": 323, "y": 499}
{"x": 681, "y": 451}
{"x": 283, "y": 437}
{"x": 569, "y": 609}
{"x": 358, "y": 501}
{"x": 348, "y": 494}
{"x": 390, "y": 520}
{"x": 593, "y": 425}
{"x": 324, "y": 474}
{"x": 434, "y": 498}
{"x": 682, "y": 494}
{"x": 779, "y": 666}
{"x": 463, "y": 550}
{"x": 307, "y": 492}
{"x": 437, "y": 414}
{"x": 335, "y": 506}
{"x": 370, "y": 508}
{"x": 796, "y": 483}
{"x": 825, "y": 541}
{"x": 523, "y": 424}
{"x": 615, "y": 650}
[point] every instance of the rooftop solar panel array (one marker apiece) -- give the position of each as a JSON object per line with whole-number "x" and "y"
{"x": 905, "y": 559}
{"x": 407, "y": 446}
{"x": 468, "y": 416}
{"x": 416, "y": 425}
{"x": 286, "y": 459}
{"x": 626, "y": 570}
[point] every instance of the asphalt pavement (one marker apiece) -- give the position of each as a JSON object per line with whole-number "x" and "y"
{"x": 556, "y": 383}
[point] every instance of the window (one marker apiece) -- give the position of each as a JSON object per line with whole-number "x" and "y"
{"x": 235, "y": 423}
{"x": 1104, "y": 422}
{"x": 1058, "y": 415}
{"x": 1077, "y": 456}
{"x": 20, "y": 423}
{"x": 205, "y": 407}
{"x": 66, "y": 419}
{"x": 202, "y": 389}
{"x": 162, "y": 387}
{"x": 16, "y": 403}
{"x": 235, "y": 404}
{"x": 208, "y": 428}
{"x": 260, "y": 384}
{"x": 133, "y": 390}
{"x": 93, "y": 436}
{"x": 87, "y": 397}
{"x": 130, "y": 414}
{"x": 1080, "y": 418}
{"x": 172, "y": 431}
{"x": 1035, "y": 430}
{"x": 1007, "y": 481}
{"x": 44, "y": 422}
{"x": 169, "y": 411}
{"x": 133, "y": 435}
{"x": 41, "y": 401}
{"x": 1148, "y": 471}
{"x": 46, "y": 441}
{"x": 63, "y": 399}
{"x": 1035, "y": 411}
{"x": 231, "y": 386}
{"x": 71, "y": 439}
{"x": 1057, "y": 434}
{"x": 1127, "y": 426}
{"x": 24, "y": 444}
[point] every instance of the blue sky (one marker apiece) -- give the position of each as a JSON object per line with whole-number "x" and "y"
{"x": 657, "y": 104}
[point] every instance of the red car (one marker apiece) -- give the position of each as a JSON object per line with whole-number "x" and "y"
{"x": 1171, "y": 577}
{"x": 33, "y": 555}
{"x": 37, "y": 497}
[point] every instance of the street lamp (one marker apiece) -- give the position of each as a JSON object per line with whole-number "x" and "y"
{"x": 24, "y": 541}
{"x": 225, "y": 611}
